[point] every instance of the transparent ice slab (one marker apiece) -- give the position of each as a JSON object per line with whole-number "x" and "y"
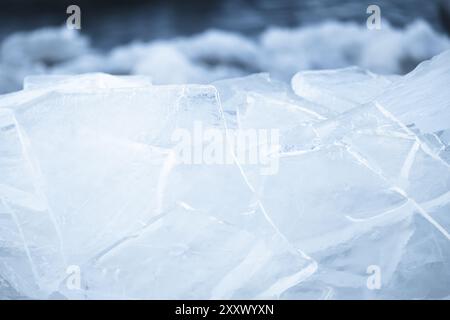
{"x": 99, "y": 168}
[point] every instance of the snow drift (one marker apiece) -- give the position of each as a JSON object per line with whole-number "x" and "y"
{"x": 217, "y": 54}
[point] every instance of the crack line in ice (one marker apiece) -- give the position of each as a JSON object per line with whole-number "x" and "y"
{"x": 393, "y": 134}
{"x": 423, "y": 145}
{"x": 378, "y": 216}
{"x": 442, "y": 148}
{"x": 25, "y": 244}
{"x": 33, "y": 166}
{"x": 186, "y": 206}
{"x": 328, "y": 295}
{"x": 287, "y": 282}
{"x": 399, "y": 190}
{"x": 438, "y": 201}
{"x": 406, "y": 168}
{"x": 154, "y": 222}
{"x": 437, "y": 246}
{"x": 249, "y": 265}
{"x": 292, "y": 105}
{"x": 427, "y": 216}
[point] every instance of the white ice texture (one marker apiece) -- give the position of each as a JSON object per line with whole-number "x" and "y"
{"x": 91, "y": 194}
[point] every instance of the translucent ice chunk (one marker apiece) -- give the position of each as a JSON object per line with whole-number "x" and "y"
{"x": 104, "y": 173}
{"x": 421, "y": 98}
{"x": 341, "y": 89}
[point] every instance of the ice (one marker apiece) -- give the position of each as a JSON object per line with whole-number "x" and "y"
{"x": 426, "y": 109}
{"x": 90, "y": 170}
{"x": 208, "y": 258}
{"x": 84, "y": 82}
{"x": 336, "y": 88}
{"x": 358, "y": 178}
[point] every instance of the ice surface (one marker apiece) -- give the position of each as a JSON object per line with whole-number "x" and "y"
{"x": 336, "y": 88}
{"x": 89, "y": 177}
